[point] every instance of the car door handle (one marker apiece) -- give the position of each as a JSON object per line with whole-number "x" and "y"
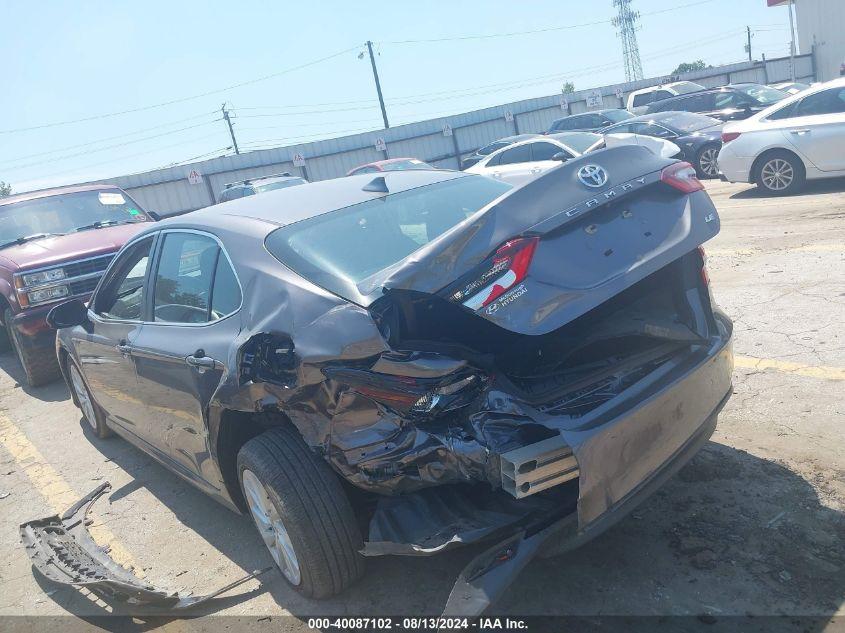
{"x": 200, "y": 362}
{"x": 802, "y": 130}
{"x": 535, "y": 170}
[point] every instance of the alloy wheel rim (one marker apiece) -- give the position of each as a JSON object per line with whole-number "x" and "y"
{"x": 777, "y": 174}
{"x": 708, "y": 162}
{"x": 270, "y": 527}
{"x": 82, "y": 396}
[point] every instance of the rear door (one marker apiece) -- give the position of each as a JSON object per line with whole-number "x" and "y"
{"x": 181, "y": 351}
{"x": 513, "y": 165}
{"x": 817, "y": 129}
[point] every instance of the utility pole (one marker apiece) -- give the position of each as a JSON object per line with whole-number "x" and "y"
{"x": 791, "y": 43}
{"x": 231, "y": 129}
{"x": 748, "y": 46}
{"x": 378, "y": 84}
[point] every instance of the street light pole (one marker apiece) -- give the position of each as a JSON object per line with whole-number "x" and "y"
{"x": 378, "y": 84}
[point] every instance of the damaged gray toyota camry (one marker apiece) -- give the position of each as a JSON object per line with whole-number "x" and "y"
{"x": 407, "y": 363}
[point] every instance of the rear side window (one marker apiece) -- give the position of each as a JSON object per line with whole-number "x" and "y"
{"x": 191, "y": 271}
{"x": 232, "y": 193}
{"x": 343, "y": 249}
{"x": 825, "y": 102}
{"x": 563, "y": 124}
{"x": 545, "y": 151}
{"x": 643, "y": 99}
{"x": 518, "y": 154}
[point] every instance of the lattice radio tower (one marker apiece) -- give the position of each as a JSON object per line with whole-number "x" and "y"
{"x": 626, "y": 22}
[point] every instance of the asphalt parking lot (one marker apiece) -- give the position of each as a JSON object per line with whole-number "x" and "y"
{"x": 754, "y": 525}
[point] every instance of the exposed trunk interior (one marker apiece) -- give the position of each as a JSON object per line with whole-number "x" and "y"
{"x": 579, "y": 366}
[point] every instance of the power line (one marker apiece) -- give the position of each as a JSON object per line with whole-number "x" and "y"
{"x": 108, "y": 138}
{"x": 102, "y": 149}
{"x": 183, "y": 99}
{"x": 549, "y": 29}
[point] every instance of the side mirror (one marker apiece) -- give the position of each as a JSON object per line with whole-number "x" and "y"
{"x": 606, "y": 123}
{"x": 561, "y": 156}
{"x": 68, "y": 314}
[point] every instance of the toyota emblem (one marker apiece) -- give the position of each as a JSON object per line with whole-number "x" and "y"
{"x": 592, "y": 175}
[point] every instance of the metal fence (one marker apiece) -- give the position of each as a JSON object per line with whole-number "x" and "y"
{"x": 441, "y": 142}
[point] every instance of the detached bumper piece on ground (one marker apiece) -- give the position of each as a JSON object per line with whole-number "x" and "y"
{"x": 63, "y": 551}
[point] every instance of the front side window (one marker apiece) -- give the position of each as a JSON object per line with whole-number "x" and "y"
{"x": 830, "y": 101}
{"x": 518, "y": 154}
{"x": 191, "y": 268}
{"x": 66, "y": 213}
{"x": 122, "y": 294}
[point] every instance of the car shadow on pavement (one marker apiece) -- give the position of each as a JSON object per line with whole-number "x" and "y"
{"x": 56, "y": 391}
{"x": 731, "y": 534}
{"x": 811, "y": 188}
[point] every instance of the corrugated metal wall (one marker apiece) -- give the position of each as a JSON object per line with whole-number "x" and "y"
{"x": 168, "y": 191}
{"x": 821, "y": 24}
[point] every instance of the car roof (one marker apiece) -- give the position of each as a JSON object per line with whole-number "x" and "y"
{"x": 281, "y": 207}
{"x": 514, "y": 138}
{"x": 55, "y": 191}
{"x": 600, "y": 111}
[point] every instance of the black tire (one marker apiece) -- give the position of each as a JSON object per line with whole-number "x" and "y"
{"x": 705, "y": 161}
{"x": 313, "y": 507}
{"x": 94, "y": 417}
{"x": 5, "y": 343}
{"x": 768, "y": 166}
{"x": 39, "y": 365}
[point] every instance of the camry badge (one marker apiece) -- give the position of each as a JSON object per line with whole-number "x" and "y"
{"x": 592, "y": 175}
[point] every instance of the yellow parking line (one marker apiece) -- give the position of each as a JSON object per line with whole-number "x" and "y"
{"x": 52, "y": 486}
{"x": 810, "y": 371}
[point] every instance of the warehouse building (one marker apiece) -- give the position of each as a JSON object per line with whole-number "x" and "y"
{"x": 820, "y": 26}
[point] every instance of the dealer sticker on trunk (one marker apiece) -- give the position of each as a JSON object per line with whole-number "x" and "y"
{"x": 506, "y": 299}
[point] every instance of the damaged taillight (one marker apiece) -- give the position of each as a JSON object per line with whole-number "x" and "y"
{"x": 681, "y": 176}
{"x": 408, "y": 394}
{"x": 508, "y": 267}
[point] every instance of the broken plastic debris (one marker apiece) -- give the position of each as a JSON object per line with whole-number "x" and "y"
{"x": 62, "y": 550}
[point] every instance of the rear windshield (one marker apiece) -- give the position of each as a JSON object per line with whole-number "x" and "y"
{"x": 341, "y": 249}
{"x": 279, "y": 184}
{"x": 65, "y": 213}
{"x": 763, "y": 94}
{"x": 579, "y": 141}
{"x": 686, "y": 87}
{"x": 688, "y": 121}
{"x": 618, "y": 115}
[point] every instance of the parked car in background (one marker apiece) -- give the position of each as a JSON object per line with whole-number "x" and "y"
{"x": 698, "y": 137}
{"x": 589, "y": 121}
{"x": 442, "y": 361}
{"x": 488, "y": 149}
{"x": 800, "y": 138}
{"x": 728, "y": 103}
{"x": 54, "y": 245}
{"x": 791, "y": 87}
{"x": 390, "y": 164}
{"x": 252, "y": 186}
{"x": 525, "y": 160}
{"x": 638, "y": 100}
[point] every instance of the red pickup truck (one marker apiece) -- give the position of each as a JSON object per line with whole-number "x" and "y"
{"x": 55, "y": 244}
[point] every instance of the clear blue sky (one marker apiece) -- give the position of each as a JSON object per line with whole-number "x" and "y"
{"x": 70, "y": 60}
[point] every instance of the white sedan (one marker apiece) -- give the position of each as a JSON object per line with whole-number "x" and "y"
{"x": 525, "y": 160}
{"x": 797, "y": 139}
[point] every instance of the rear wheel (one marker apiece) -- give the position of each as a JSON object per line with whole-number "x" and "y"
{"x": 301, "y": 512}
{"x": 706, "y": 162}
{"x": 39, "y": 365}
{"x": 90, "y": 411}
{"x": 780, "y": 173}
